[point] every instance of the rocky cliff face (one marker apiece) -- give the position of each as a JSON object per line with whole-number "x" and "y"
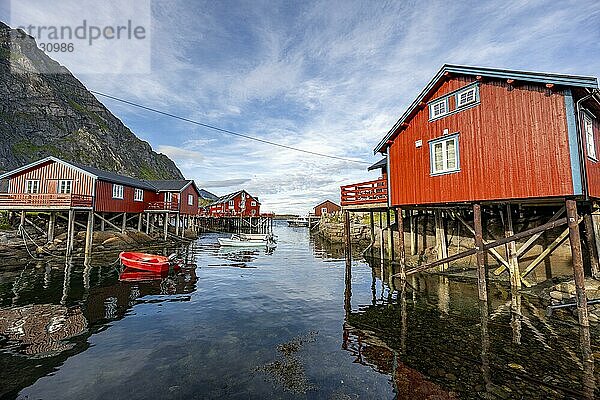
{"x": 44, "y": 114}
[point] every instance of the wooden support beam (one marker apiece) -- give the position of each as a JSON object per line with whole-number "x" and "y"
{"x": 390, "y": 235}
{"x": 79, "y": 224}
{"x": 147, "y": 223}
{"x": 70, "y": 232}
{"x": 511, "y": 251}
{"x": 166, "y": 225}
{"x": 51, "y": 226}
{"x": 440, "y": 239}
{"x": 124, "y": 223}
{"x": 402, "y": 251}
{"x": 37, "y": 228}
{"x": 547, "y": 251}
{"x": 591, "y": 244}
{"x": 480, "y": 251}
{"x": 596, "y": 229}
{"x": 493, "y": 252}
{"x": 22, "y": 223}
{"x": 347, "y": 233}
{"x": 578, "y": 274}
{"x": 413, "y": 233}
{"x": 177, "y": 217}
{"x": 104, "y": 220}
{"x": 139, "y": 226}
{"x": 89, "y": 234}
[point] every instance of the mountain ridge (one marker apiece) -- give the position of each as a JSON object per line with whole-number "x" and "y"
{"x": 44, "y": 113}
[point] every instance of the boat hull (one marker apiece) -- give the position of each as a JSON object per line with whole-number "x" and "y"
{"x": 145, "y": 262}
{"x": 242, "y": 243}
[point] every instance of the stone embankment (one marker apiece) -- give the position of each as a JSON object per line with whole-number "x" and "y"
{"x": 565, "y": 293}
{"x": 331, "y": 229}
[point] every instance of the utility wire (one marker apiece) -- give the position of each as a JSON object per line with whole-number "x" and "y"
{"x": 227, "y": 131}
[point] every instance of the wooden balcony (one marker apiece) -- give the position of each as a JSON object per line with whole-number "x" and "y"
{"x": 44, "y": 201}
{"x": 163, "y": 206}
{"x": 364, "y": 194}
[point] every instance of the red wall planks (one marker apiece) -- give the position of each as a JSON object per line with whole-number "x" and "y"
{"x": 328, "y": 205}
{"x": 105, "y": 202}
{"x": 513, "y": 145}
{"x": 185, "y": 207}
{"x": 48, "y": 174}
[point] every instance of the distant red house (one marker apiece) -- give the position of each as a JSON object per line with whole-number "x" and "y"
{"x": 55, "y": 184}
{"x": 239, "y": 203}
{"x": 326, "y": 207}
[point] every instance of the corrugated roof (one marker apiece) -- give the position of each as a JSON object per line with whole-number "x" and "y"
{"x": 173, "y": 185}
{"x": 205, "y": 194}
{"x": 526, "y": 76}
{"x": 379, "y": 164}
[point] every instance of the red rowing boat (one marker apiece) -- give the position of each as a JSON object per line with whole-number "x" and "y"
{"x": 147, "y": 262}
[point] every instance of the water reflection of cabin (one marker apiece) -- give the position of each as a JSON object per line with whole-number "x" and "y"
{"x": 240, "y": 203}
{"x": 497, "y": 139}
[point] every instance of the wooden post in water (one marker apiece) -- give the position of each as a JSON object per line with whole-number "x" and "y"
{"x": 402, "y": 251}
{"x": 578, "y": 275}
{"x": 440, "y": 239}
{"x": 413, "y": 233}
{"x": 51, "y": 226}
{"x": 372, "y": 223}
{"x": 596, "y": 229}
{"x": 166, "y": 225}
{"x": 70, "y": 232}
{"x": 479, "y": 246}
{"x": 124, "y": 223}
{"x": 89, "y": 235}
{"x": 139, "y": 227}
{"x": 102, "y": 222}
{"x": 591, "y": 244}
{"x": 348, "y": 232}
{"x": 390, "y": 235}
{"x": 22, "y": 223}
{"x": 147, "y": 223}
{"x": 511, "y": 251}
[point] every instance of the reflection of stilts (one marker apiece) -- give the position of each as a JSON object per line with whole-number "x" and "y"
{"x": 348, "y": 289}
{"x": 485, "y": 345}
{"x": 403, "y": 316}
{"x": 66, "y": 281}
{"x": 515, "y": 315}
{"x": 443, "y": 294}
{"x": 589, "y": 379}
{"x": 47, "y": 275}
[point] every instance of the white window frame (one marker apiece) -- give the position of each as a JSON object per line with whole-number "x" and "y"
{"x": 324, "y": 210}
{"x": 433, "y": 114}
{"x": 588, "y": 128}
{"x": 459, "y": 103}
{"x": 168, "y": 197}
{"x": 138, "y": 195}
{"x": 190, "y": 199}
{"x": 231, "y": 202}
{"x": 117, "y": 191}
{"x": 65, "y": 186}
{"x": 32, "y": 186}
{"x": 253, "y": 204}
{"x": 444, "y": 142}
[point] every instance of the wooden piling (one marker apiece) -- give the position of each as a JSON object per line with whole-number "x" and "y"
{"x": 390, "y": 235}
{"x": 596, "y": 230}
{"x": 147, "y": 223}
{"x": 166, "y": 225}
{"x": 139, "y": 226}
{"x": 70, "y": 232}
{"x": 177, "y": 217}
{"x": 511, "y": 251}
{"x": 124, "y": 224}
{"x": 480, "y": 252}
{"x": 89, "y": 234}
{"x": 372, "y": 224}
{"x": 348, "y": 232}
{"x": 401, "y": 250}
{"x": 578, "y": 275}
{"x": 22, "y": 223}
{"x": 51, "y": 226}
{"x": 591, "y": 243}
{"x": 102, "y": 222}
{"x": 440, "y": 239}
{"x": 413, "y": 233}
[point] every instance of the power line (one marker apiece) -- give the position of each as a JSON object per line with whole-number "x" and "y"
{"x": 227, "y": 131}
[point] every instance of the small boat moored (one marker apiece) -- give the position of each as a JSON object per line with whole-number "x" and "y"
{"x": 148, "y": 262}
{"x": 248, "y": 240}
{"x": 298, "y": 222}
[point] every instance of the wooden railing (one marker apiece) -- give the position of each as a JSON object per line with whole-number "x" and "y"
{"x": 365, "y": 193}
{"x": 163, "y": 205}
{"x": 45, "y": 200}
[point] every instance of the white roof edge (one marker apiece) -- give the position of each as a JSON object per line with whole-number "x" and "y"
{"x": 43, "y": 160}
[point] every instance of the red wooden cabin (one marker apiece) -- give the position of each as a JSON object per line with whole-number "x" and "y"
{"x": 239, "y": 203}
{"x": 484, "y": 134}
{"x": 325, "y": 207}
{"x": 54, "y": 184}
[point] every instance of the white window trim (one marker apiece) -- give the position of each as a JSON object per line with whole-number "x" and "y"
{"x": 35, "y": 183}
{"x": 445, "y": 169}
{"x": 190, "y": 199}
{"x": 168, "y": 197}
{"x": 138, "y": 195}
{"x": 432, "y": 105}
{"x": 253, "y": 204}
{"x": 66, "y": 182}
{"x": 117, "y": 191}
{"x": 457, "y": 98}
{"x": 590, "y": 141}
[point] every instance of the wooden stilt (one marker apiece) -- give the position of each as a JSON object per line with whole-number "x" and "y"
{"x": 70, "y": 232}
{"x": 578, "y": 275}
{"x": 89, "y": 234}
{"x": 390, "y": 244}
{"x": 147, "y": 223}
{"x": 166, "y": 225}
{"x": 589, "y": 236}
{"x": 596, "y": 229}
{"x": 22, "y": 223}
{"x": 480, "y": 251}
{"x": 425, "y": 219}
{"x": 440, "y": 239}
{"x": 177, "y": 217}
{"x": 102, "y": 222}
{"x": 348, "y": 232}
{"x": 51, "y": 226}
{"x": 401, "y": 250}
{"x": 511, "y": 251}
{"x": 139, "y": 227}
{"x": 413, "y": 234}
{"x": 124, "y": 224}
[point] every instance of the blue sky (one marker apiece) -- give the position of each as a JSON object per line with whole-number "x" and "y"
{"x": 326, "y": 76}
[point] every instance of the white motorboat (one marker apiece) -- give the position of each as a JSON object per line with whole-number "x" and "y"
{"x": 245, "y": 240}
{"x": 298, "y": 222}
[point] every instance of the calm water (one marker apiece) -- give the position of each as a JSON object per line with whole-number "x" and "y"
{"x": 296, "y": 323}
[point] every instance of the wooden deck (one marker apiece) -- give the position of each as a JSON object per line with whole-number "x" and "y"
{"x": 365, "y": 195}
{"x": 19, "y": 201}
